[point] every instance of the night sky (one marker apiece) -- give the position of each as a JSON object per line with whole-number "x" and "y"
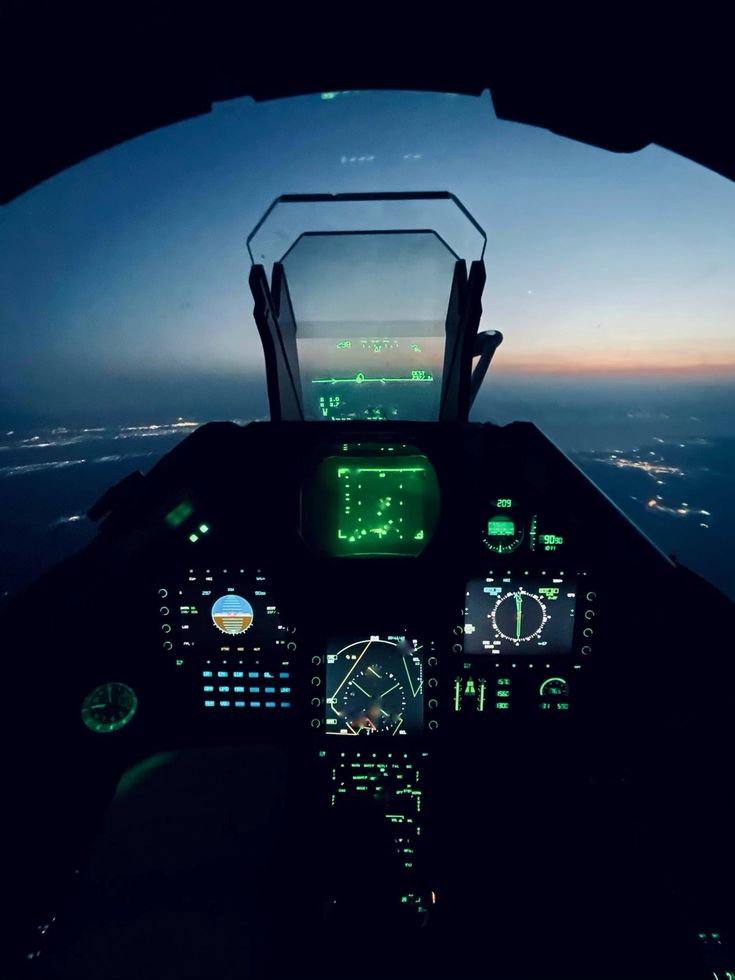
{"x": 124, "y": 280}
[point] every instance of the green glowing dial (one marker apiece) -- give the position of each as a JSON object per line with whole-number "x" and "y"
{"x": 554, "y": 687}
{"x": 503, "y": 533}
{"x": 109, "y": 707}
{"x": 519, "y": 616}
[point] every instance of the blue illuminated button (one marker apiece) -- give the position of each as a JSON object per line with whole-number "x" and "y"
{"x": 232, "y": 614}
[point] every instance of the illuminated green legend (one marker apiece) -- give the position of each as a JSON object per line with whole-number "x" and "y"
{"x": 382, "y": 504}
{"x": 360, "y": 378}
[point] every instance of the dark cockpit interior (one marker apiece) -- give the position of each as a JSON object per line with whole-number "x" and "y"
{"x": 542, "y": 780}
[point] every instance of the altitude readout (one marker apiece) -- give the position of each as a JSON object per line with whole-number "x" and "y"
{"x": 506, "y": 616}
{"x": 374, "y": 687}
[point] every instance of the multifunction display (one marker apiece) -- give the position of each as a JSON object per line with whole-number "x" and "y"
{"x": 227, "y": 611}
{"x": 223, "y": 630}
{"x": 374, "y": 686}
{"x": 371, "y": 500}
{"x": 517, "y": 615}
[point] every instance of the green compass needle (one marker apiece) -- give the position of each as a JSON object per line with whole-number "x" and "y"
{"x": 519, "y": 613}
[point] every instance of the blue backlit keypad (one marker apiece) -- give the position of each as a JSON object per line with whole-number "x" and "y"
{"x": 273, "y": 683}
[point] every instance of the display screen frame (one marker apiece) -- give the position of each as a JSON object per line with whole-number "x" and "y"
{"x": 374, "y": 686}
{"x": 372, "y": 499}
{"x": 521, "y": 614}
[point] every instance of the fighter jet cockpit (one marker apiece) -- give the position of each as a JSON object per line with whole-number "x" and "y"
{"x": 367, "y": 686}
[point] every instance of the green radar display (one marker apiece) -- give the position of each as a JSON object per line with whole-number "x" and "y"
{"x": 371, "y": 500}
{"x": 109, "y": 707}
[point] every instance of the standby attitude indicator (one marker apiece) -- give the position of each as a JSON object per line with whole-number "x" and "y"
{"x": 232, "y": 614}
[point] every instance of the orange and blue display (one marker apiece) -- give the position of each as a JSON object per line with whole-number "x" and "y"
{"x": 232, "y": 614}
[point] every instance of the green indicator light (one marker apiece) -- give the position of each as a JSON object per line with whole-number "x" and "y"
{"x": 193, "y": 538}
{"x": 177, "y": 516}
{"x": 203, "y": 528}
{"x": 109, "y": 707}
{"x": 504, "y": 502}
{"x": 344, "y": 344}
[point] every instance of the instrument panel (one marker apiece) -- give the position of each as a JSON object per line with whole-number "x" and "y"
{"x": 469, "y": 644}
{"x": 410, "y": 558}
{"x": 385, "y": 605}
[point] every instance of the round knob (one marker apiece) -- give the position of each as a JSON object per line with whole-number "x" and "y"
{"x": 433, "y": 724}
{"x": 458, "y": 631}
{"x": 316, "y": 660}
{"x": 315, "y": 722}
{"x": 589, "y": 614}
{"x": 290, "y": 629}
{"x": 164, "y": 610}
{"x": 433, "y": 703}
{"x": 586, "y": 651}
{"x": 166, "y": 628}
{"x": 457, "y": 648}
{"x": 168, "y": 645}
{"x": 291, "y": 645}
{"x": 433, "y": 682}
{"x": 315, "y": 702}
{"x": 432, "y": 661}
{"x": 587, "y": 631}
{"x": 163, "y": 593}
{"x": 591, "y": 596}
{"x": 316, "y": 681}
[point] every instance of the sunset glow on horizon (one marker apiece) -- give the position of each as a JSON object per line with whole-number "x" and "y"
{"x": 131, "y": 267}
